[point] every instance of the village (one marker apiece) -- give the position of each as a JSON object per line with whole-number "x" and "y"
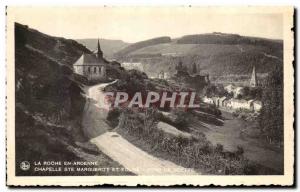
{"x": 234, "y": 97}
{"x": 231, "y": 99}
{"x": 148, "y": 92}
{"x": 231, "y": 107}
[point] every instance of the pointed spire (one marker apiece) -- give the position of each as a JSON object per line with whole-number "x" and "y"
{"x": 99, "y": 51}
{"x": 99, "y": 45}
{"x": 253, "y": 81}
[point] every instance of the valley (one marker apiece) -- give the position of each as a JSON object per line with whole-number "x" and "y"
{"x": 61, "y": 87}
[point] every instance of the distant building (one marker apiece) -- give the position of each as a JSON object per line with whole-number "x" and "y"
{"x": 234, "y": 104}
{"x": 167, "y": 75}
{"x": 208, "y": 100}
{"x": 241, "y": 104}
{"x": 236, "y": 91}
{"x": 196, "y": 80}
{"x": 92, "y": 65}
{"x": 222, "y": 101}
{"x": 257, "y": 105}
{"x": 217, "y": 101}
{"x": 229, "y": 88}
{"x": 253, "y": 80}
{"x": 133, "y": 65}
{"x": 227, "y": 103}
{"x": 181, "y": 71}
{"x": 161, "y": 75}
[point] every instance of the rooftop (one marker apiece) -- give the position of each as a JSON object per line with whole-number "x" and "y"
{"x": 88, "y": 59}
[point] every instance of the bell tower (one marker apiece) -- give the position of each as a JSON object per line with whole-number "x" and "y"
{"x": 99, "y": 51}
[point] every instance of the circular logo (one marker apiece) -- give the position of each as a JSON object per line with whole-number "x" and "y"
{"x": 25, "y": 165}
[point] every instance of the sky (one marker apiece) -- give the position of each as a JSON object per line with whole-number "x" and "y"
{"x": 132, "y": 24}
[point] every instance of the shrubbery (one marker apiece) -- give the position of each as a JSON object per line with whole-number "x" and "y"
{"x": 131, "y": 82}
{"x": 180, "y": 119}
{"x": 197, "y": 153}
{"x": 271, "y": 117}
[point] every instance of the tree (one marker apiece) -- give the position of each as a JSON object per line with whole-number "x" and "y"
{"x": 210, "y": 90}
{"x": 271, "y": 118}
{"x": 194, "y": 70}
{"x": 239, "y": 96}
{"x": 246, "y": 91}
{"x": 221, "y": 91}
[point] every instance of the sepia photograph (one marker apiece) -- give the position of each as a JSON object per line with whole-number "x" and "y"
{"x": 184, "y": 95}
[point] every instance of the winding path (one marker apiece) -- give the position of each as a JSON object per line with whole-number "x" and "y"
{"x": 115, "y": 146}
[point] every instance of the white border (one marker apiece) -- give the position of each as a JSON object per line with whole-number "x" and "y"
{"x": 164, "y": 180}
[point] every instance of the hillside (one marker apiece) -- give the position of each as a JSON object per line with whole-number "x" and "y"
{"x": 49, "y": 102}
{"x": 216, "y": 53}
{"x": 139, "y": 45}
{"x": 109, "y": 47}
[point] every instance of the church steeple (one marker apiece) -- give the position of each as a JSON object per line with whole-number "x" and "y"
{"x": 99, "y": 51}
{"x": 253, "y": 81}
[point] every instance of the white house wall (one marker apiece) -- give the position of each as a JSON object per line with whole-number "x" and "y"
{"x": 256, "y": 106}
{"x": 91, "y": 74}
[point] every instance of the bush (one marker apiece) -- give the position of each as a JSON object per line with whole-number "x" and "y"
{"x": 182, "y": 120}
{"x": 271, "y": 117}
{"x": 113, "y": 117}
{"x": 196, "y": 153}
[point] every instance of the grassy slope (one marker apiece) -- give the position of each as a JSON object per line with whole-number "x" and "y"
{"x": 49, "y": 103}
{"x": 217, "y": 55}
{"x": 139, "y": 45}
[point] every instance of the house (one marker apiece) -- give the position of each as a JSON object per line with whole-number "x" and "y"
{"x": 241, "y": 104}
{"x": 216, "y": 101}
{"x": 161, "y": 75}
{"x": 251, "y": 101}
{"x": 208, "y": 100}
{"x": 238, "y": 91}
{"x": 91, "y": 65}
{"x": 229, "y": 88}
{"x": 167, "y": 75}
{"x": 219, "y": 101}
{"x": 234, "y": 104}
{"x": 222, "y": 101}
{"x": 197, "y": 81}
{"x": 257, "y": 105}
{"x": 227, "y": 103}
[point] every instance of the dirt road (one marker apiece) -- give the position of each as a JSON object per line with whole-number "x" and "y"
{"x": 115, "y": 146}
{"x": 95, "y": 112}
{"x": 135, "y": 159}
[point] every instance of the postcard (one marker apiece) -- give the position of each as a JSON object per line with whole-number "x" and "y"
{"x": 151, "y": 96}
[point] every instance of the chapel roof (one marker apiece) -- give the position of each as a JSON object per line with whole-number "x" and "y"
{"x": 89, "y": 59}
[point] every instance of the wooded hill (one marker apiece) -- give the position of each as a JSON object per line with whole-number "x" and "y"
{"x": 214, "y": 53}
